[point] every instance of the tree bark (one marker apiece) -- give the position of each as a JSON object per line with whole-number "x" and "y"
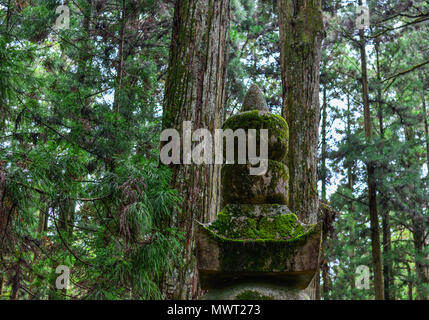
{"x": 350, "y": 175}
{"x": 385, "y": 215}
{"x": 324, "y": 145}
{"x": 422, "y": 266}
{"x": 66, "y": 216}
{"x": 195, "y": 91}
{"x": 323, "y": 262}
{"x": 426, "y": 125}
{"x": 301, "y": 33}
{"x": 409, "y": 281}
{"x": 387, "y": 247}
{"x": 42, "y": 223}
{"x": 15, "y": 284}
{"x": 120, "y": 62}
{"x": 419, "y": 226}
{"x": 372, "y": 190}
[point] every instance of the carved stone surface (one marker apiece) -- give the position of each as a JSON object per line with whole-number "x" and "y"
{"x": 292, "y": 263}
{"x": 257, "y": 248}
{"x": 254, "y": 99}
{"x": 240, "y": 187}
{"x": 278, "y": 131}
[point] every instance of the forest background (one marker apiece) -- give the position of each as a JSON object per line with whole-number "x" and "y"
{"x": 82, "y": 108}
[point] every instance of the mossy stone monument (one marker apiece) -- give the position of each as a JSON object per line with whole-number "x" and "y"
{"x": 257, "y": 248}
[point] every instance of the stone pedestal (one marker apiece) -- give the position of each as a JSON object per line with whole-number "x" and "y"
{"x": 257, "y": 249}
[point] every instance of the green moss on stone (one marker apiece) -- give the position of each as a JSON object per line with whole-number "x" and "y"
{"x": 259, "y": 255}
{"x": 278, "y": 130}
{"x": 281, "y": 227}
{"x": 254, "y": 100}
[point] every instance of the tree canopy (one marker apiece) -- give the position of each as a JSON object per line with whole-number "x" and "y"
{"x": 82, "y": 107}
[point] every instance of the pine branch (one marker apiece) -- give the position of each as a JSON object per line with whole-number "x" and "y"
{"x": 406, "y": 71}
{"x": 68, "y": 248}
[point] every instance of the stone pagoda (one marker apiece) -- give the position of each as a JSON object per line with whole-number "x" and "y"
{"x": 257, "y": 248}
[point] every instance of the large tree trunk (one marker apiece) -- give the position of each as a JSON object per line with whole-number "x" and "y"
{"x": 372, "y": 191}
{"x": 195, "y": 91}
{"x": 301, "y": 34}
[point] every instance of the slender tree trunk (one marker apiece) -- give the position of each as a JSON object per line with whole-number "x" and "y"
{"x": 8, "y": 15}
{"x": 422, "y": 265}
{"x": 41, "y": 225}
{"x": 324, "y": 145}
{"x": 410, "y": 283}
{"x": 195, "y": 91}
{"x": 387, "y": 247}
{"x": 326, "y": 280}
{"x": 16, "y": 282}
{"x": 425, "y": 119}
{"x": 318, "y": 295}
{"x": 426, "y": 125}
{"x": 372, "y": 191}
{"x": 385, "y": 215}
{"x": 323, "y": 263}
{"x": 350, "y": 180}
{"x": 418, "y": 221}
{"x": 120, "y": 61}
{"x": 46, "y": 219}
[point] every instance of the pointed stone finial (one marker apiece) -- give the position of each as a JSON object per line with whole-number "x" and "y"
{"x": 254, "y": 100}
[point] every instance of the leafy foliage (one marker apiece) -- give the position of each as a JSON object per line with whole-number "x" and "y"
{"x": 80, "y": 181}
